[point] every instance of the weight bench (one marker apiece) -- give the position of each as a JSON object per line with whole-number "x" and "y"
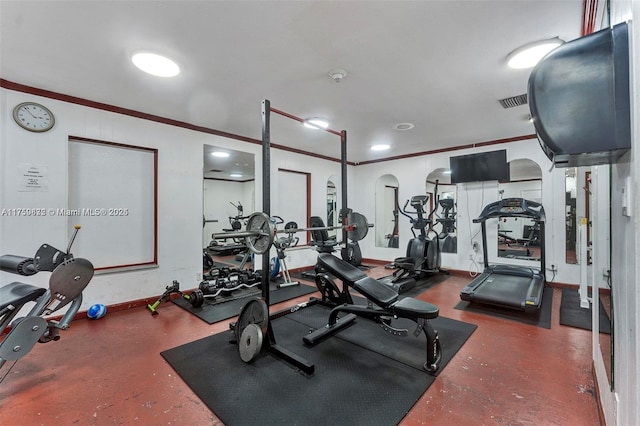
{"x": 382, "y": 306}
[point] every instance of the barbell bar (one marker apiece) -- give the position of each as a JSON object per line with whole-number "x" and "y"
{"x": 205, "y": 221}
{"x": 260, "y": 231}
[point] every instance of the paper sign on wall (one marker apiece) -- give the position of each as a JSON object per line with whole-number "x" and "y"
{"x": 33, "y": 178}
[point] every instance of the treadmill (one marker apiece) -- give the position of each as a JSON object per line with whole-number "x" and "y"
{"x": 509, "y": 286}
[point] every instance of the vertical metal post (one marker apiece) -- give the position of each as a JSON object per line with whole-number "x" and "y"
{"x": 343, "y": 163}
{"x": 485, "y": 255}
{"x": 270, "y": 340}
{"x": 266, "y": 189}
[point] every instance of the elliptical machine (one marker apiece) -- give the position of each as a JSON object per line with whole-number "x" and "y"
{"x": 447, "y": 237}
{"x": 423, "y": 253}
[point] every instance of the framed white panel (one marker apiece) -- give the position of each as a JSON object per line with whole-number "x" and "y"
{"x": 112, "y": 191}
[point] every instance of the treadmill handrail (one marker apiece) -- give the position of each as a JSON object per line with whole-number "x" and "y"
{"x": 512, "y": 207}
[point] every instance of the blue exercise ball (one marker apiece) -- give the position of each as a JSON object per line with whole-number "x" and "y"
{"x": 97, "y": 311}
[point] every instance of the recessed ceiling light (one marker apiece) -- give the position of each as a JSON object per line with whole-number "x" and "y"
{"x": 404, "y": 126}
{"x": 380, "y": 147}
{"x": 220, "y": 154}
{"x": 235, "y": 175}
{"x": 154, "y": 64}
{"x": 316, "y": 123}
{"x": 529, "y": 55}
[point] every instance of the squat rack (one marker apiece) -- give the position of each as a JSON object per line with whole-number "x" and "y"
{"x": 270, "y": 341}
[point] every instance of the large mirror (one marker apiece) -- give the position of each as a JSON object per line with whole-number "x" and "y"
{"x": 386, "y": 212}
{"x": 444, "y": 206}
{"x": 571, "y": 216}
{"x": 228, "y": 198}
{"x": 519, "y": 238}
{"x": 577, "y": 206}
{"x": 333, "y": 212}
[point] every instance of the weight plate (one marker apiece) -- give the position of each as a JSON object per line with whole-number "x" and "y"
{"x": 255, "y": 311}
{"x": 196, "y": 298}
{"x": 360, "y": 226}
{"x": 263, "y": 229}
{"x": 250, "y": 343}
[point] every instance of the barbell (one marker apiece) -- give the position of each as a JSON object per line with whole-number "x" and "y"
{"x": 205, "y": 221}
{"x": 260, "y": 231}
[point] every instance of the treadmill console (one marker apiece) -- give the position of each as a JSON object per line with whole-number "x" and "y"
{"x": 419, "y": 201}
{"x": 512, "y": 207}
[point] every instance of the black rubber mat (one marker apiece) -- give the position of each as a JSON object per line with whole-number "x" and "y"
{"x": 352, "y": 385}
{"x": 424, "y": 284}
{"x": 226, "y": 307}
{"x": 571, "y": 314}
{"x": 541, "y": 318}
{"x": 297, "y": 275}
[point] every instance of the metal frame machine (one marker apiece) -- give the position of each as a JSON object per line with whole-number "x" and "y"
{"x": 509, "y": 286}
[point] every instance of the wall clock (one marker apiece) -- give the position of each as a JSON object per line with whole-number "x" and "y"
{"x": 33, "y": 117}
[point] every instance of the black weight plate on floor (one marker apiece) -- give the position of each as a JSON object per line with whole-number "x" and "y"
{"x": 255, "y": 311}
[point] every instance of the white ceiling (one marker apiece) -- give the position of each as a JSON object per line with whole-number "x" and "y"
{"x": 437, "y": 64}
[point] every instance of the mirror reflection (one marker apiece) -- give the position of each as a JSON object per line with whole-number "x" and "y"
{"x": 571, "y": 230}
{"x": 519, "y": 238}
{"x": 228, "y": 198}
{"x": 444, "y": 216}
{"x": 577, "y": 206}
{"x": 332, "y": 205}
{"x": 387, "y": 212}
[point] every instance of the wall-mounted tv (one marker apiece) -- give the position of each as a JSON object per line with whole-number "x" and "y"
{"x": 480, "y": 167}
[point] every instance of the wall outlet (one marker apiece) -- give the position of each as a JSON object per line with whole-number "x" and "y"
{"x": 198, "y": 276}
{"x": 470, "y": 257}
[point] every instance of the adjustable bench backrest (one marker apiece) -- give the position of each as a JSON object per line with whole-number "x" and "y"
{"x": 381, "y": 294}
{"x": 341, "y": 269}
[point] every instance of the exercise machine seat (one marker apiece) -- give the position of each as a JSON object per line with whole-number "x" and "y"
{"x": 382, "y": 295}
{"x": 414, "y": 308}
{"x": 17, "y": 294}
{"x": 320, "y": 237}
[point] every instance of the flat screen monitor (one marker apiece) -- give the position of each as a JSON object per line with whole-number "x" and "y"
{"x": 484, "y": 166}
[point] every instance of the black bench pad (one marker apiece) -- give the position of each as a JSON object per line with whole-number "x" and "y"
{"x": 18, "y": 294}
{"x": 414, "y": 308}
{"x": 340, "y": 268}
{"x": 381, "y": 294}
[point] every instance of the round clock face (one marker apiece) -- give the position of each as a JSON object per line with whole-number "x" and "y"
{"x": 33, "y": 117}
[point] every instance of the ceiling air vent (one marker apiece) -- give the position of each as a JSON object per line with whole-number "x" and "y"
{"x": 514, "y": 101}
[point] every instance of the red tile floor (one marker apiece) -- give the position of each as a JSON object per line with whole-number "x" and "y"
{"x": 110, "y": 371}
